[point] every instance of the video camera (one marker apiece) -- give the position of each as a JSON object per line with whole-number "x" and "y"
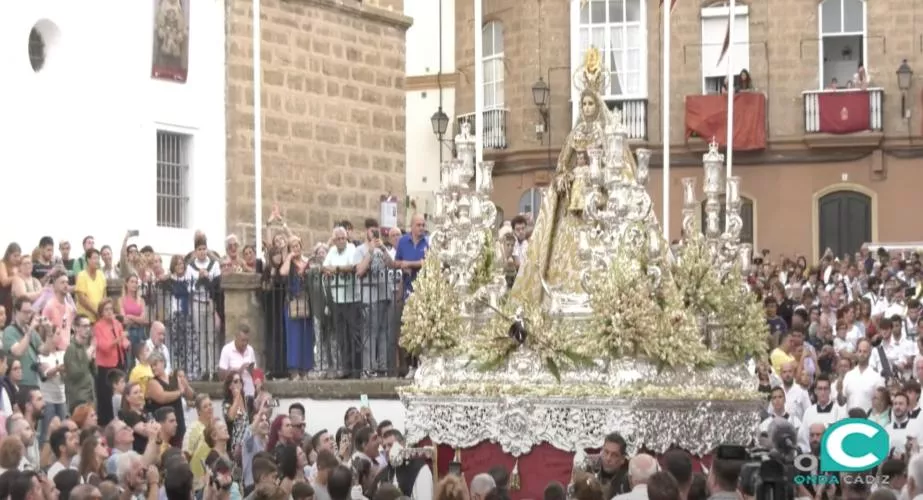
{"x": 767, "y": 473}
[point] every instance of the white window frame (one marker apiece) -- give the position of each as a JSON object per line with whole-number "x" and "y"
{"x": 496, "y": 59}
{"x": 723, "y": 12}
{"x": 535, "y": 194}
{"x": 187, "y": 141}
{"x": 821, "y": 84}
{"x": 576, "y": 56}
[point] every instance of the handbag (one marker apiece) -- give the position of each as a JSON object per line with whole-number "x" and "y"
{"x": 299, "y": 307}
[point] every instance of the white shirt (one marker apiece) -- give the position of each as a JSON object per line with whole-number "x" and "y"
{"x": 519, "y": 250}
{"x": 797, "y": 400}
{"x": 816, "y": 414}
{"x": 897, "y": 434}
{"x": 231, "y": 360}
{"x": 639, "y": 492}
{"x": 840, "y": 345}
{"x": 422, "y": 485}
{"x": 192, "y": 276}
{"x": 854, "y": 334}
{"x": 859, "y": 387}
{"x": 52, "y": 387}
{"x": 343, "y": 285}
{"x": 165, "y": 352}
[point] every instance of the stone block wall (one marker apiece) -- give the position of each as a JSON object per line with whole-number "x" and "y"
{"x": 333, "y": 112}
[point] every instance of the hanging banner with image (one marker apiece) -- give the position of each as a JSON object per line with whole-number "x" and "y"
{"x": 171, "y": 40}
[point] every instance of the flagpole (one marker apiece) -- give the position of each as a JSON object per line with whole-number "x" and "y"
{"x": 732, "y": 18}
{"x": 665, "y": 103}
{"x": 478, "y": 87}
{"x": 257, "y": 130}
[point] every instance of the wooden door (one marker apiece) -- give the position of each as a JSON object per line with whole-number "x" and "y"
{"x": 844, "y": 222}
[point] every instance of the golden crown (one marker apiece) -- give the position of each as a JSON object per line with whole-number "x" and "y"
{"x": 590, "y": 75}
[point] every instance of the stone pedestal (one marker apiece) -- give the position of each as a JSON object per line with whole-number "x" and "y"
{"x": 242, "y": 307}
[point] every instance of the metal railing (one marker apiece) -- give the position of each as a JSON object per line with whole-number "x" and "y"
{"x": 333, "y": 326}
{"x": 493, "y": 126}
{"x": 812, "y": 105}
{"x": 634, "y": 116}
{"x": 192, "y": 312}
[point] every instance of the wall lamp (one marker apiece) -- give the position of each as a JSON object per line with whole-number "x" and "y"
{"x": 541, "y": 93}
{"x": 904, "y": 82}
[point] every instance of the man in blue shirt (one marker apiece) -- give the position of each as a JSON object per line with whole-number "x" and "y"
{"x": 410, "y": 252}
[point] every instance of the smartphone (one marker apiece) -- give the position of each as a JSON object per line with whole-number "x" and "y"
{"x": 909, "y": 293}
{"x": 364, "y": 400}
{"x": 133, "y": 233}
{"x": 376, "y": 234}
{"x": 455, "y": 468}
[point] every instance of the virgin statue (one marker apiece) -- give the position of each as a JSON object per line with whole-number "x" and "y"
{"x": 552, "y": 259}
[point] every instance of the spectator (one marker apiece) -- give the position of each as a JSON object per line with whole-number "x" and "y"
{"x": 411, "y": 250}
{"x": 237, "y": 356}
{"x": 133, "y": 310}
{"x": 80, "y": 366}
{"x": 168, "y": 392}
{"x": 9, "y": 266}
{"x": 91, "y": 286}
{"x": 111, "y": 352}
{"x": 202, "y": 273}
{"x": 23, "y": 340}
{"x": 67, "y": 482}
{"x": 64, "y": 446}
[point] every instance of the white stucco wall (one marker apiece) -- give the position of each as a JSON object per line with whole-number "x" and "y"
{"x": 423, "y": 59}
{"x": 79, "y": 137}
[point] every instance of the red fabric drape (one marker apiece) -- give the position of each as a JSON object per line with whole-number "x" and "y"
{"x": 843, "y": 112}
{"x": 543, "y": 464}
{"x": 706, "y": 116}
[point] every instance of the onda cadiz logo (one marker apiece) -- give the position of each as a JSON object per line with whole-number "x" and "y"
{"x": 853, "y": 445}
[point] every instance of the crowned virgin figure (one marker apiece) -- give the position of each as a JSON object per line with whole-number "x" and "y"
{"x": 552, "y": 259}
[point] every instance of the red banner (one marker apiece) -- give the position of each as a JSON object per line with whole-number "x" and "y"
{"x": 843, "y": 111}
{"x": 543, "y": 464}
{"x": 706, "y": 117}
{"x": 171, "y": 40}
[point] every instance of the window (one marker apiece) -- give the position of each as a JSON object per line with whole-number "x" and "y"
{"x": 173, "y": 179}
{"x": 714, "y": 32}
{"x": 843, "y": 41}
{"x": 531, "y": 202}
{"x": 493, "y": 65}
{"x": 746, "y": 214}
{"x": 617, "y": 28}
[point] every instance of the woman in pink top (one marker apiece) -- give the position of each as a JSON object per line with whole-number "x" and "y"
{"x": 111, "y": 352}
{"x": 132, "y": 309}
{"x": 59, "y": 310}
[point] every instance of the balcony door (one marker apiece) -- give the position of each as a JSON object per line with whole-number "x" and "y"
{"x": 843, "y": 42}
{"x": 844, "y": 222}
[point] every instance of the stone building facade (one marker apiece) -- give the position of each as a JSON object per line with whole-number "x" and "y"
{"x": 806, "y": 189}
{"x": 333, "y": 112}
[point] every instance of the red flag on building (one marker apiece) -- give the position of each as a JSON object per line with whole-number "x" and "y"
{"x": 843, "y": 112}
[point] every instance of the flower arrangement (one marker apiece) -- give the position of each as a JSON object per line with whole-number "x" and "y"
{"x": 432, "y": 320}
{"x": 638, "y": 313}
{"x": 723, "y": 301}
{"x": 551, "y": 339}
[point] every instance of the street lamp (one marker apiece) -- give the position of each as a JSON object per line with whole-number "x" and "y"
{"x": 904, "y": 81}
{"x": 440, "y": 122}
{"x": 904, "y": 76}
{"x": 541, "y": 93}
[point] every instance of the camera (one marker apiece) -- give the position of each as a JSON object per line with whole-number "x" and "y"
{"x": 767, "y": 473}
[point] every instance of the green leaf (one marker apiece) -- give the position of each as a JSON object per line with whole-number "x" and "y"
{"x": 553, "y": 368}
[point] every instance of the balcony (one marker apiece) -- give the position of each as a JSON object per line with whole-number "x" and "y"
{"x": 634, "y": 116}
{"x": 846, "y": 111}
{"x": 706, "y": 120}
{"x": 493, "y": 128}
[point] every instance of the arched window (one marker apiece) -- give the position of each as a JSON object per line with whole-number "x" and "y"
{"x": 843, "y": 41}
{"x": 618, "y": 30}
{"x": 746, "y": 214}
{"x": 493, "y": 65}
{"x": 530, "y": 202}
